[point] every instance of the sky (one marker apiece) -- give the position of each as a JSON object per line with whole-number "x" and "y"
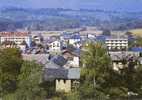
{"x": 119, "y": 5}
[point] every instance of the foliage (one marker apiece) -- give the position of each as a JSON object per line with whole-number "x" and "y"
{"x": 136, "y": 43}
{"x": 99, "y": 79}
{"x": 96, "y": 65}
{"x": 29, "y": 82}
{"x": 10, "y": 64}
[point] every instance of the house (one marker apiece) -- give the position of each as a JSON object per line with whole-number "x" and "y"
{"x": 116, "y": 43}
{"x": 119, "y": 58}
{"x": 55, "y": 46}
{"x": 75, "y": 38}
{"x": 73, "y": 58}
{"x": 8, "y": 44}
{"x": 65, "y": 36}
{"x": 65, "y": 79}
{"x": 39, "y": 58}
{"x": 101, "y": 38}
{"x": 37, "y": 39}
{"x": 23, "y": 46}
{"x": 16, "y": 37}
{"x": 136, "y": 49}
{"x": 91, "y": 36}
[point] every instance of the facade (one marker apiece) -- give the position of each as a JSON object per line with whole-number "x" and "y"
{"x": 116, "y": 44}
{"x": 75, "y": 39}
{"x": 55, "y": 46}
{"x": 119, "y": 57}
{"x": 65, "y": 79}
{"x": 36, "y": 39}
{"x": 62, "y": 72}
{"x": 73, "y": 59}
{"x": 16, "y": 37}
{"x": 63, "y": 85}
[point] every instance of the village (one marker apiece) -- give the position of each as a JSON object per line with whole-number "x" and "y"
{"x": 61, "y": 54}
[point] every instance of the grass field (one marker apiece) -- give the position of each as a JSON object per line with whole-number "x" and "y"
{"x": 137, "y": 32}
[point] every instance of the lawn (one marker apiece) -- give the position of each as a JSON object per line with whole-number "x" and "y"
{"x": 137, "y": 32}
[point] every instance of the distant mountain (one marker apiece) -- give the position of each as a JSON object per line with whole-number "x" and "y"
{"x": 59, "y": 19}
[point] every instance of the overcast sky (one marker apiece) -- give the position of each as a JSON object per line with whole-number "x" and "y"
{"x": 127, "y": 5}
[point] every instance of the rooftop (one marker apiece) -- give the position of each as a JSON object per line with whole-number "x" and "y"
{"x": 61, "y": 73}
{"x": 16, "y": 34}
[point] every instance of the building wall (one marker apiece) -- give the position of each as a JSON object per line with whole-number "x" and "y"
{"x": 75, "y": 62}
{"x": 117, "y": 65}
{"x": 55, "y": 46}
{"x": 17, "y": 40}
{"x": 117, "y": 43}
{"x": 63, "y": 85}
{"x": 73, "y": 41}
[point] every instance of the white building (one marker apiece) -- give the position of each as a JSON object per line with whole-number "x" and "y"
{"x": 55, "y": 46}
{"x": 73, "y": 59}
{"x": 116, "y": 44}
{"x": 75, "y": 39}
{"x": 17, "y": 37}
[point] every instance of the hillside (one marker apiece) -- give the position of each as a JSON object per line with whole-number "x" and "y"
{"x": 60, "y": 19}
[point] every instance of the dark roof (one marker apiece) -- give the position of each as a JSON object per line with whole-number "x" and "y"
{"x": 52, "y": 65}
{"x": 52, "y": 74}
{"x": 119, "y": 56}
{"x": 101, "y": 37}
{"x": 71, "y": 49}
{"x": 136, "y": 49}
{"x": 76, "y": 36}
{"x": 61, "y": 73}
{"x": 59, "y": 60}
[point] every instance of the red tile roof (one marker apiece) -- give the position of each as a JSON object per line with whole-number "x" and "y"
{"x": 17, "y": 34}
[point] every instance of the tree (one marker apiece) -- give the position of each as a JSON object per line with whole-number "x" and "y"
{"x": 95, "y": 67}
{"x": 29, "y": 82}
{"x": 10, "y": 64}
{"x": 99, "y": 79}
{"x": 136, "y": 43}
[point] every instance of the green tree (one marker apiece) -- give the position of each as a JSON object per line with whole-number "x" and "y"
{"x": 99, "y": 79}
{"x": 95, "y": 67}
{"x": 10, "y": 64}
{"x": 29, "y": 82}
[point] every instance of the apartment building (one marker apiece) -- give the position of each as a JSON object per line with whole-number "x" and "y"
{"x": 17, "y": 37}
{"x": 116, "y": 43}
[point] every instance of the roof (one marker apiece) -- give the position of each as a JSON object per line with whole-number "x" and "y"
{"x": 136, "y": 49}
{"x": 52, "y": 40}
{"x": 118, "y": 56}
{"x": 59, "y": 60}
{"x": 52, "y": 74}
{"x": 101, "y": 37}
{"x": 72, "y": 50}
{"x": 74, "y": 73}
{"x": 76, "y": 36}
{"x": 39, "y": 58}
{"x": 61, "y": 73}
{"x": 52, "y": 65}
{"x": 17, "y": 34}
{"x": 74, "y": 53}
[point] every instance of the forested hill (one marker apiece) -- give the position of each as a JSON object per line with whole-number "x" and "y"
{"x": 12, "y": 18}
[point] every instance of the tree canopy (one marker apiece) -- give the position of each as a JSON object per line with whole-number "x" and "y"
{"x": 10, "y": 64}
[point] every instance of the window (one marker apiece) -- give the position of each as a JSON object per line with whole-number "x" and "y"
{"x": 58, "y": 45}
{"x": 64, "y": 81}
{"x": 53, "y": 44}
